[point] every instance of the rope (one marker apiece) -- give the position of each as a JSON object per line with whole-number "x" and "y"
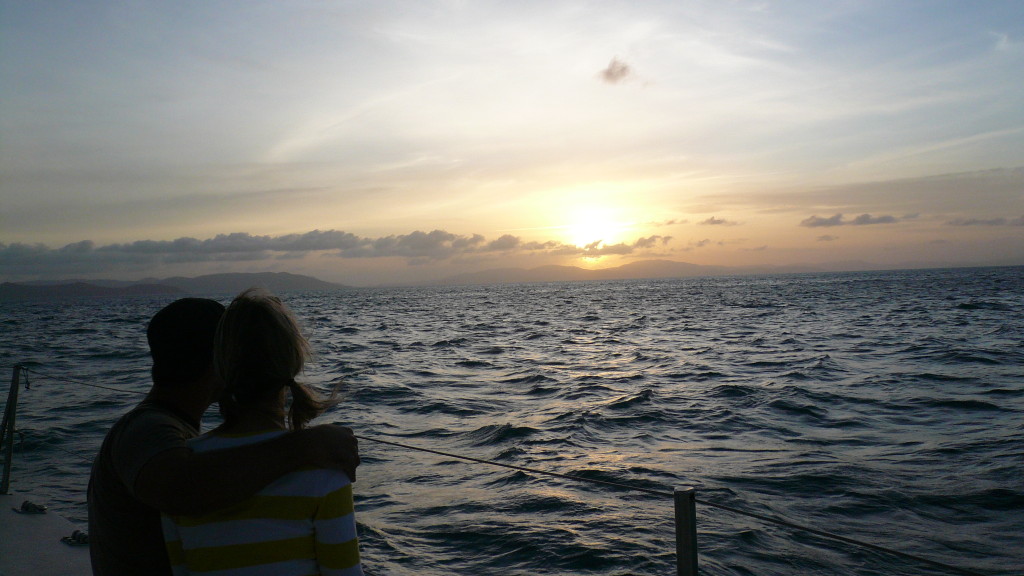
{"x": 519, "y": 468}
{"x": 662, "y": 493}
{"x": 46, "y": 376}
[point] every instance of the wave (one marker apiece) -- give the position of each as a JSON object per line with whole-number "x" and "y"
{"x": 965, "y": 405}
{"x": 983, "y": 305}
{"x": 497, "y": 434}
{"x": 631, "y": 401}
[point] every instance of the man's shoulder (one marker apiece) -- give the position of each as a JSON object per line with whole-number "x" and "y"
{"x": 147, "y": 417}
{"x": 152, "y": 412}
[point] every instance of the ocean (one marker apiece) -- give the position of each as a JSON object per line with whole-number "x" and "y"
{"x": 886, "y": 407}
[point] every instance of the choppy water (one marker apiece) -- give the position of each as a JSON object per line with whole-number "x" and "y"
{"x": 887, "y": 407}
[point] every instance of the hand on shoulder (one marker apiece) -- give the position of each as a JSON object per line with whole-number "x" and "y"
{"x": 332, "y": 446}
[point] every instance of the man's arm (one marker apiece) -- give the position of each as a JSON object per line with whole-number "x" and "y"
{"x": 178, "y": 481}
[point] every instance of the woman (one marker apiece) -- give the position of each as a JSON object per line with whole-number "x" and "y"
{"x": 302, "y": 523}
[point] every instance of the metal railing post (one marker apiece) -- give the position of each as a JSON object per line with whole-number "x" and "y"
{"x": 686, "y": 531}
{"x": 7, "y": 429}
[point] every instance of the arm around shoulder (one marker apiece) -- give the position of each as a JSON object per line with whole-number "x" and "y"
{"x": 180, "y": 481}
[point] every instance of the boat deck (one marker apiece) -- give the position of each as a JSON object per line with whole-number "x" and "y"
{"x": 30, "y": 544}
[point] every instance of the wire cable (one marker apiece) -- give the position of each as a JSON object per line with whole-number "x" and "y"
{"x": 662, "y": 493}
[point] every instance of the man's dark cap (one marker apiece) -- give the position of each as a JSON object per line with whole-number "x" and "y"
{"x": 181, "y": 339}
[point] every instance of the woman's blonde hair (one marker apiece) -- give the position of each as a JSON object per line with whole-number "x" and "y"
{"x": 259, "y": 349}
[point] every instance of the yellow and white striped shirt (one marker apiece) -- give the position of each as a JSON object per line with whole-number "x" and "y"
{"x": 302, "y": 524}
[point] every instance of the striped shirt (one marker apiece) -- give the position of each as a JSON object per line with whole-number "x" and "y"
{"x": 302, "y": 524}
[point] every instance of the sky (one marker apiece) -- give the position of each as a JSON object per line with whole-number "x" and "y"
{"x": 386, "y": 142}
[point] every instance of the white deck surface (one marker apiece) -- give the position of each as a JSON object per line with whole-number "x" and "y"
{"x": 30, "y": 543}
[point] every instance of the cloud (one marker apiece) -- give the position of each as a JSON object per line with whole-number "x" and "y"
{"x": 651, "y": 241}
{"x": 816, "y": 221}
{"x": 866, "y": 219}
{"x": 435, "y": 245}
{"x": 598, "y": 248}
{"x": 672, "y": 222}
{"x": 417, "y": 247}
{"x": 986, "y": 222}
{"x": 827, "y": 238}
{"x": 837, "y": 220}
{"x": 616, "y": 72}
{"x": 1003, "y": 42}
{"x": 82, "y": 247}
{"x": 716, "y": 222}
{"x": 505, "y": 243}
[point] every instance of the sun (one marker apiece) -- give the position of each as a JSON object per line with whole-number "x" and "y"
{"x": 590, "y": 224}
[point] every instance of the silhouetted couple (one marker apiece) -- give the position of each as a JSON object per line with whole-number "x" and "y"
{"x": 261, "y": 494}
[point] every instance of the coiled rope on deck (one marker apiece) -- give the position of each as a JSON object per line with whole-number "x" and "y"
{"x": 660, "y": 493}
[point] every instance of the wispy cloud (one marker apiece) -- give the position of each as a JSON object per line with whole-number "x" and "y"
{"x": 1003, "y": 42}
{"x": 987, "y": 222}
{"x": 659, "y": 224}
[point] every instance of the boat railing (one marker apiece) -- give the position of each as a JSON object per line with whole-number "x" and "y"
{"x": 684, "y": 498}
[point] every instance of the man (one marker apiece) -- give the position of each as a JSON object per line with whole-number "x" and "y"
{"x": 144, "y": 466}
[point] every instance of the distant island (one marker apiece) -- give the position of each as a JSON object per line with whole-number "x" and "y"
{"x": 281, "y": 282}
{"x": 210, "y": 284}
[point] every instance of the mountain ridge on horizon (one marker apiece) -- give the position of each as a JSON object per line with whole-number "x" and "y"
{"x": 234, "y": 282}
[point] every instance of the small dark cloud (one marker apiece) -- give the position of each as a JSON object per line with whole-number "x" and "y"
{"x": 616, "y": 72}
{"x": 987, "y": 222}
{"x": 651, "y": 241}
{"x": 866, "y": 219}
{"x": 716, "y": 222}
{"x": 817, "y": 221}
{"x": 827, "y": 238}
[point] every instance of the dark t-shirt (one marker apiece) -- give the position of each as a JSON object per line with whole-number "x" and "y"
{"x": 125, "y": 537}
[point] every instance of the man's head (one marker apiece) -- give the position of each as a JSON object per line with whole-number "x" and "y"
{"x": 181, "y": 340}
